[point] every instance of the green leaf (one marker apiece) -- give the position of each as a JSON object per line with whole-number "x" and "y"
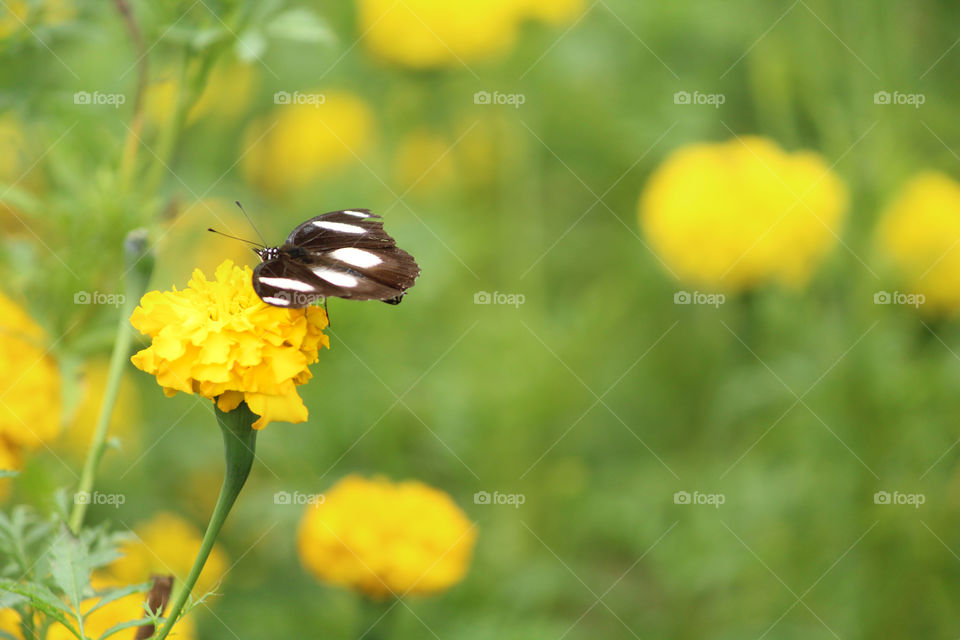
{"x": 110, "y": 595}
{"x": 126, "y": 625}
{"x": 300, "y": 25}
{"x": 70, "y": 567}
{"x": 43, "y": 600}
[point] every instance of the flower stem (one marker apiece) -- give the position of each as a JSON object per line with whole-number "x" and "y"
{"x": 139, "y": 267}
{"x": 239, "y": 443}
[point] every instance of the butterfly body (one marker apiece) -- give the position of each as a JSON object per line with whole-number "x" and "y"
{"x": 343, "y": 254}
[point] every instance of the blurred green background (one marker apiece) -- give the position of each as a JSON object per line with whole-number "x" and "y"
{"x": 598, "y": 398}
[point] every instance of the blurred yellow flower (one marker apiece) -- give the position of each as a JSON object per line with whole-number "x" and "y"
{"x": 919, "y": 233}
{"x": 165, "y": 544}
{"x": 219, "y": 339}
{"x": 29, "y": 381}
{"x": 736, "y": 214}
{"x": 432, "y": 33}
{"x": 79, "y": 432}
{"x": 424, "y": 162}
{"x": 10, "y": 623}
{"x": 123, "y": 609}
{"x": 299, "y": 142}
{"x": 227, "y": 92}
{"x": 383, "y": 538}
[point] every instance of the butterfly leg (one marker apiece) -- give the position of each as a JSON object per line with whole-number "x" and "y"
{"x": 329, "y": 321}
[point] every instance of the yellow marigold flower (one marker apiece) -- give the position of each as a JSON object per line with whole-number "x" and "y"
{"x": 219, "y": 339}
{"x": 382, "y": 538}
{"x": 165, "y": 544}
{"x": 93, "y": 381}
{"x": 437, "y": 33}
{"x": 735, "y": 214}
{"x": 29, "y": 381}
{"x": 919, "y": 233}
{"x": 300, "y": 142}
{"x": 121, "y": 610}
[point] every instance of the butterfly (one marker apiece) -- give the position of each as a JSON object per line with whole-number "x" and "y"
{"x": 340, "y": 254}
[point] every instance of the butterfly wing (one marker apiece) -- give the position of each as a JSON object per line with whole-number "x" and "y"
{"x": 348, "y": 228}
{"x": 365, "y": 274}
{"x": 351, "y": 251}
{"x": 284, "y": 282}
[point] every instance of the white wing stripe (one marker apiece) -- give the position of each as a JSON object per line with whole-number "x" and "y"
{"x": 356, "y": 257}
{"x": 287, "y": 283}
{"x": 338, "y": 226}
{"x": 338, "y": 278}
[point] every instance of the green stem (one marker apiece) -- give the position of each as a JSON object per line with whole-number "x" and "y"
{"x": 239, "y": 443}
{"x": 376, "y": 618}
{"x": 139, "y": 268}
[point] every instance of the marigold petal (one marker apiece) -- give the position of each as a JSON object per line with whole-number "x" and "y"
{"x": 288, "y": 407}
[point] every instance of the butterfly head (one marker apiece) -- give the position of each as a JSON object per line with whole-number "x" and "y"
{"x": 267, "y": 253}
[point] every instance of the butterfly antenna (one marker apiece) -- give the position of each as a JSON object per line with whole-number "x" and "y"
{"x": 329, "y": 321}
{"x": 227, "y": 235}
{"x": 250, "y": 220}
